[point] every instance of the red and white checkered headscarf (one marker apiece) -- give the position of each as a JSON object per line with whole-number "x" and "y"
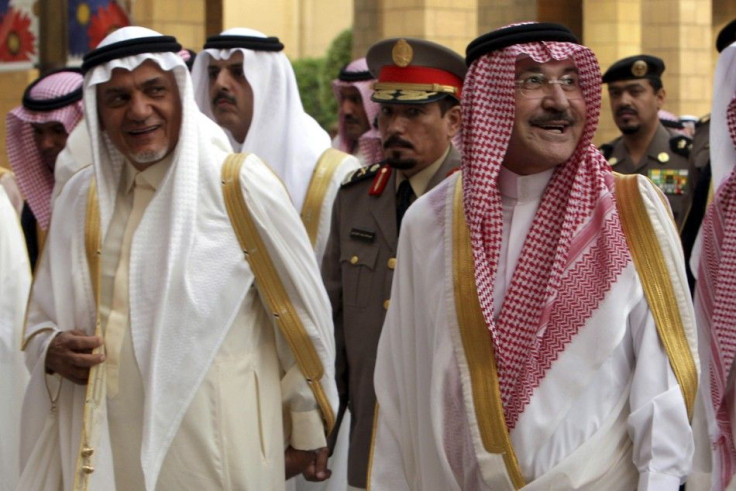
{"x": 370, "y": 141}
{"x": 35, "y": 179}
{"x": 716, "y": 287}
{"x": 575, "y": 249}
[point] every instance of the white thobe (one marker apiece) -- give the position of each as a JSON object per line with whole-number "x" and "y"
{"x": 608, "y": 413}
{"x": 15, "y": 281}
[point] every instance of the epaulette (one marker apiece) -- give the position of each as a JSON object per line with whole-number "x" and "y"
{"x": 606, "y": 149}
{"x": 681, "y": 145}
{"x": 361, "y": 174}
{"x": 704, "y": 120}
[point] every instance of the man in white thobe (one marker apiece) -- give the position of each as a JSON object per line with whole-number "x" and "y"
{"x": 244, "y": 82}
{"x": 191, "y": 385}
{"x": 519, "y": 349}
{"x": 713, "y": 262}
{"x": 15, "y": 281}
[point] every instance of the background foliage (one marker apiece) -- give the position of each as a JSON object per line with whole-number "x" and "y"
{"x": 314, "y": 77}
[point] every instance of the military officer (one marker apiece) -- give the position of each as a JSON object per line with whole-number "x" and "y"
{"x": 418, "y": 88}
{"x": 646, "y": 146}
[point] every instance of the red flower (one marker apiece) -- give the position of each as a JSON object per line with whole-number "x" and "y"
{"x": 105, "y": 21}
{"x": 16, "y": 38}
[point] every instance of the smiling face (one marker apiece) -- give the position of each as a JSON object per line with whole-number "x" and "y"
{"x": 548, "y": 123}
{"x": 231, "y": 96}
{"x": 634, "y": 104}
{"x": 141, "y": 112}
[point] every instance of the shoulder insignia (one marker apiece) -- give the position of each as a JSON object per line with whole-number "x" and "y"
{"x": 606, "y": 149}
{"x": 380, "y": 181}
{"x": 681, "y": 145}
{"x": 705, "y": 119}
{"x": 360, "y": 174}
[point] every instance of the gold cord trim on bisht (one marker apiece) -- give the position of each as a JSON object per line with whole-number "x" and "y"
{"x": 658, "y": 289}
{"x": 478, "y": 347}
{"x": 96, "y": 386}
{"x": 326, "y": 167}
{"x": 270, "y": 285}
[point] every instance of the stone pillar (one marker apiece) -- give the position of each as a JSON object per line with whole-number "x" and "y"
{"x": 679, "y": 32}
{"x": 183, "y": 19}
{"x": 452, "y": 23}
{"x": 612, "y": 29}
{"x": 493, "y": 14}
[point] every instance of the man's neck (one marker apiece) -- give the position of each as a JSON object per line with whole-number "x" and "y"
{"x": 638, "y": 143}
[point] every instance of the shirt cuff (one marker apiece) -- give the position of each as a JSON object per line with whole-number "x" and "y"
{"x": 307, "y": 430}
{"x": 656, "y": 481}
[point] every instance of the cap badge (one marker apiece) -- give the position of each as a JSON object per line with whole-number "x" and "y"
{"x": 639, "y": 68}
{"x": 402, "y": 53}
{"x": 663, "y": 157}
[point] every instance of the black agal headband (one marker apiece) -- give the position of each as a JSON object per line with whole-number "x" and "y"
{"x": 254, "y": 43}
{"x": 129, "y": 47}
{"x": 346, "y": 76}
{"x": 44, "y": 105}
{"x": 519, "y": 34}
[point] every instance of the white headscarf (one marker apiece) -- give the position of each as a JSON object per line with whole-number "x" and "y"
{"x": 281, "y": 133}
{"x": 179, "y": 309}
{"x": 715, "y": 253}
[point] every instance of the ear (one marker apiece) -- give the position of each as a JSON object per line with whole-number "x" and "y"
{"x": 453, "y": 118}
{"x": 661, "y": 96}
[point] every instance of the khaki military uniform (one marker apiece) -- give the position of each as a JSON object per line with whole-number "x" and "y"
{"x": 357, "y": 269}
{"x": 665, "y": 163}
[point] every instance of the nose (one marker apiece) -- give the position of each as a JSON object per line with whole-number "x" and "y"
{"x": 223, "y": 79}
{"x": 346, "y": 106}
{"x": 556, "y": 98}
{"x": 47, "y": 142}
{"x": 139, "y": 108}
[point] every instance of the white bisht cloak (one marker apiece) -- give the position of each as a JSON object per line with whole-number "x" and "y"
{"x": 15, "y": 281}
{"x": 186, "y": 269}
{"x": 574, "y": 433}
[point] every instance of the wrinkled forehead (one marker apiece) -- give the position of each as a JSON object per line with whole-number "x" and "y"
{"x": 146, "y": 73}
{"x": 527, "y": 64}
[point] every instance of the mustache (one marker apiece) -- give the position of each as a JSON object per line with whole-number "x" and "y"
{"x": 395, "y": 141}
{"x": 626, "y": 110}
{"x": 221, "y": 95}
{"x": 553, "y": 117}
{"x": 349, "y": 118}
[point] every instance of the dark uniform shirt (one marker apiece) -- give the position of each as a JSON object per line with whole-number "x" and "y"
{"x": 665, "y": 163}
{"x": 357, "y": 269}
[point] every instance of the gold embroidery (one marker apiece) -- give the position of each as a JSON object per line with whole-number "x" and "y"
{"x": 326, "y": 167}
{"x": 650, "y": 264}
{"x": 478, "y": 347}
{"x": 271, "y": 287}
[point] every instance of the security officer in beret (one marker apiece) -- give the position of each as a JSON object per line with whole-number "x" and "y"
{"x": 646, "y": 146}
{"x": 418, "y": 88}
{"x": 699, "y": 178}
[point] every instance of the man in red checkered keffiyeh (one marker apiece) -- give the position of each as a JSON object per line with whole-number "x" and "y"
{"x": 714, "y": 260}
{"x": 37, "y": 131}
{"x": 582, "y": 393}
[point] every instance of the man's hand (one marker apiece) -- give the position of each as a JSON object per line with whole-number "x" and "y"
{"x": 312, "y": 463}
{"x": 70, "y": 355}
{"x": 317, "y": 469}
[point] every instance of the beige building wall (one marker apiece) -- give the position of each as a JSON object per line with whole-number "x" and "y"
{"x": 306, "y": 27}
{"x": 183, "y": 19}
{"x": 612, "y": 29}
{"x": 452, "y": 23}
